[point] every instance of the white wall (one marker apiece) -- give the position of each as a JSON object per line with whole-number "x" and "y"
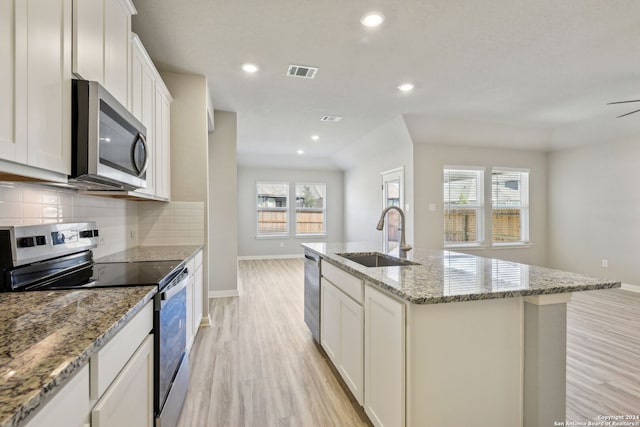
{"x": 189, "y": 148}
{"x": 428, "y": 164}
{"x": 594, "y": 210}
{"x": 249, "y": 246}
{"x": 27, "y": 204}
{"x": 223, "y": 204}
{"x": 384, "y": 148}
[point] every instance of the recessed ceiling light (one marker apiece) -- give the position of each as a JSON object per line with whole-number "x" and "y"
{"x": 315, "y": 137}
{"x": 300, "y": 152}
{"x": 372, "y": 19}
{"x": 406, "y": 87}
{"x": 250, "y": 68}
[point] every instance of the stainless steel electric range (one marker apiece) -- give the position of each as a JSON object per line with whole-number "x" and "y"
{"x": 59, "y": 256}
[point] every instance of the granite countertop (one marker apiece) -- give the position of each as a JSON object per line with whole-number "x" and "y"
{"x": 47, "y": 336}
{"x": 153, "y": 253}
{"x": 447, "y": 276}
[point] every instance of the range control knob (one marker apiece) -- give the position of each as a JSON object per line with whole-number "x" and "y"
{"x": 26, "y": 242}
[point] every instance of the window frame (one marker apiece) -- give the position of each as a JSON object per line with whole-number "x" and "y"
{"x": 287, "y": 210}
{"x": 324, "y": 209}
{"x": 524, "y": 207}
{"x": 479, "y": 207}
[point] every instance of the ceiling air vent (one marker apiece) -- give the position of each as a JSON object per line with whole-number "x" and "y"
{"x": 302, "y": 71}
{"x": 331, "y": 118}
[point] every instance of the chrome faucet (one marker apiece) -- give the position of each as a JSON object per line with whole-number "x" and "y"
{"x": 404, "y": 248}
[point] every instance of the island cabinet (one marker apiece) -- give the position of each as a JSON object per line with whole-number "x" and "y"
{"x": 114, "y": 389}
{"x": 341, "y": 325}
{"x": 384, "y": 358}
{"x": 101, "y": 34}
{"x": 413, "y": 365}
{"x": 35, "y": 89}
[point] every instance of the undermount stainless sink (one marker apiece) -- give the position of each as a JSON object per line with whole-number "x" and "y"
{"x": 376, "y": 259}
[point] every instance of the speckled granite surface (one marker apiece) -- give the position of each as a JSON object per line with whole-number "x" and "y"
{"x": 446, "y": 276}
{"x": 153, "y": 253}
{"x": 46, "y": 336}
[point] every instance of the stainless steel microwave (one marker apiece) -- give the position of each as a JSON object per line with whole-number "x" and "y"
{"x": 109, "y": 144}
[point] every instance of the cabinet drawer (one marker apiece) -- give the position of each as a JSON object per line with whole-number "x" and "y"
{"x": 70, "y": 407}
{"x": 107, "y": 363}
{"x": 344, "y": 281}
{"x": 129, "y": 400}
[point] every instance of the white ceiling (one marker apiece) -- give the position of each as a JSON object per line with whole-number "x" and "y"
{"x": 507, "y": 73}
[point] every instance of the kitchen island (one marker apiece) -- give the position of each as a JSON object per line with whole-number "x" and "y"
{"x": 452, "y": 340}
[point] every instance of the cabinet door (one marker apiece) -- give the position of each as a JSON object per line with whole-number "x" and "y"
{"x": 69, "y": 408}
{"x": 43, "y": 80}
{"x": 88, "y": 40}
{"x": 384, "y": 358}
{"x": 129, "y": 399}
{"x": 190, "y": 311}
{"x": 117, "y": 36}
{"x": 197, "y": 299}
{"x": 11, "y": 12}
{"x": 351, "y": 365}
{"x": 163, "y": 141}
{"x": 143, "y": 106}
{"x": 330, "y": 320}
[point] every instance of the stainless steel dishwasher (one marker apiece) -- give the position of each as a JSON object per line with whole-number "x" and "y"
{"x": 312, "y": 293}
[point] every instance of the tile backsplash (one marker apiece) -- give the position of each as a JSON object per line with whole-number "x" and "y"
{"x": 122, "y": 223}
{"x": 175, "y": 223}
{"x": 26, "y": 204}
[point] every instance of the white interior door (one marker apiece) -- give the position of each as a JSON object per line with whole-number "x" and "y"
{"x": 392, "y": 195}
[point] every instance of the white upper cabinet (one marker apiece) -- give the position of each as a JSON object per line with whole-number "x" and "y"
{"x": 101, "y": 49}
{"x": 163, "y": 136}
{"x": 88, "y": 39}
{"x": 143, "y": 99}
{"x": 10, "y": 149}
{"x": 35, "y": 87}
{"x": 150, "y": 102}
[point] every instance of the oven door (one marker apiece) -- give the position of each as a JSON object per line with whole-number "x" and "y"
{"x": 171, "y": 340}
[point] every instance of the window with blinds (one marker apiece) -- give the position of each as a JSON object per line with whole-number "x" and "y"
{"x": 510, "y": 205}
{"x": 311, "y": 209}
{"x": 463, "y": 206}
{"x": 272, "y": 208}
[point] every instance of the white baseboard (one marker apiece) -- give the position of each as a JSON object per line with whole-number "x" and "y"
{"x": 632, "y": 288}
{"x": 259, "y": 257}
{"x": 224, "y": 294}
{"x": 205, "y": 321}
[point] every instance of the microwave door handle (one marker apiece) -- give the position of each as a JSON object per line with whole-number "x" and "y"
{"x": 140, "y": 138}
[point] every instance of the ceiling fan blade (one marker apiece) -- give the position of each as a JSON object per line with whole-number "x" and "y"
{"x": 623, "y": 102}
{"x": 627, "y": 114}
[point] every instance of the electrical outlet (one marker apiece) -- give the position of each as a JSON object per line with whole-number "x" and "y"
{"x": 432, "y": 207}
{"x": 282, "y": 244}
{"x": 605, "y": 263}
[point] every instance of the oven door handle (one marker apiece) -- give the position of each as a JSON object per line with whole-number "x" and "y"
{"x": 179, "y": 284}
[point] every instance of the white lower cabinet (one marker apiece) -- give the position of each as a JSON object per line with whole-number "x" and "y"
{"x": 114, "y": 389}
{"x": 195, "y": 297}
{"x": 341, "y": 335}
{"x": 69, "y": 408}
{"x": 384, "y": 359}
{"x": 129, "y": 399}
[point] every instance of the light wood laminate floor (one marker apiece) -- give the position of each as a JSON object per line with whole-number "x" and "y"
{"x": 603, "y": 354}
{"x": 257, "y": 365}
